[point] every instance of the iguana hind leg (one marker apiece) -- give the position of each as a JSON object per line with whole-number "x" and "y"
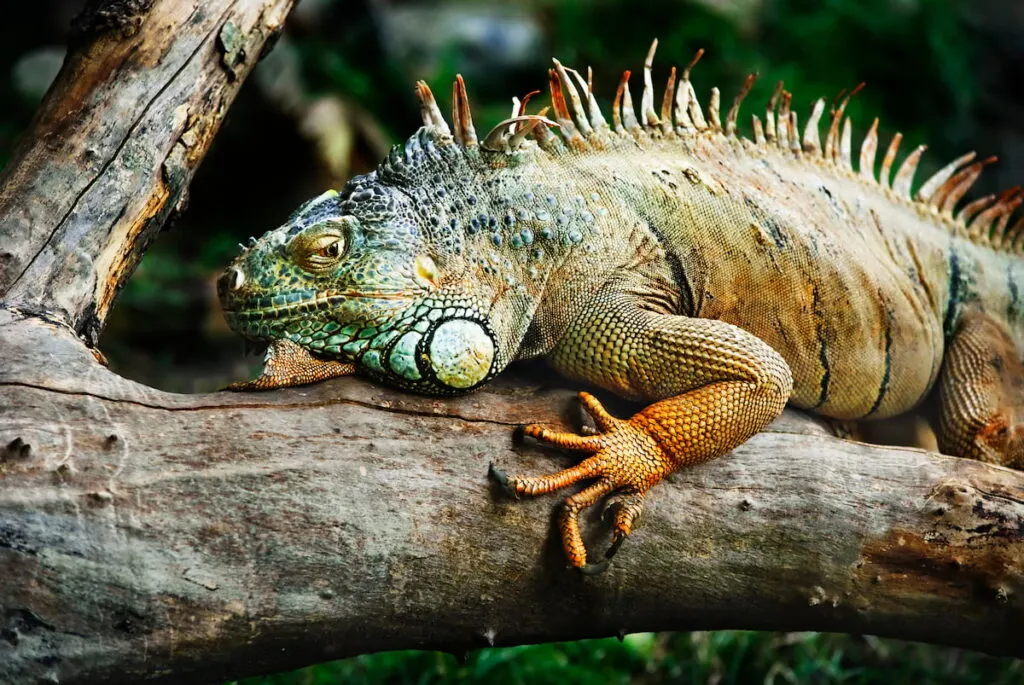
{"x": 981, "y": 394}
{"x": 714, "y": 384}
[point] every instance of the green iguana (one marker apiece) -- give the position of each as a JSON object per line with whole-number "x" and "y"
{"x": 663, "y": 258}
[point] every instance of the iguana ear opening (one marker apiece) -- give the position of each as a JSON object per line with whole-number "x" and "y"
{"x": 427, "y": 272}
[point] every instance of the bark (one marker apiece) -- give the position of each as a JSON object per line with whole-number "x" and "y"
{"x": 145, "y": 534}
{"x": 185, "y": 538}
{"x": 110, "y": 154}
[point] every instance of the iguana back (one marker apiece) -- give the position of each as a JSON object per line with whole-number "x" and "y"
{"x": 856, "y": 286}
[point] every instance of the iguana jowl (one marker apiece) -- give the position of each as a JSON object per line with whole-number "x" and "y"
{"x": 663, "y": 258}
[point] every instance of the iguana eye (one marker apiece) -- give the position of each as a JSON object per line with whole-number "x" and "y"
{"x": 321, "y": 251}
{"x": 332, "y": 250}
{"x": 326, "y": 249}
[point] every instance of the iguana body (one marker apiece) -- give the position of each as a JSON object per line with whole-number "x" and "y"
{"x": 666, "y": 260}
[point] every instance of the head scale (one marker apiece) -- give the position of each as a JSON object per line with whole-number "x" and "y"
{"x": 371, "y": 276}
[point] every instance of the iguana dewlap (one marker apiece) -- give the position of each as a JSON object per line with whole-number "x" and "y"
{"x": 661, "y": 257}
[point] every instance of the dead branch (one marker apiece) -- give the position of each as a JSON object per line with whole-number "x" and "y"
{"x": 111, "y": 152}
{"x": 145, "y": 534}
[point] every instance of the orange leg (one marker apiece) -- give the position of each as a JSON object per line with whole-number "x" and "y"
{"x": 630, "y": 457}
{"x": 981, "y": 394}
{"x": 711, "y": 386}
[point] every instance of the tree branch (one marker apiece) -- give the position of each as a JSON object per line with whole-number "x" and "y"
{"x": 115, "y": 143}
{"x": 168, "y": 537}
{"x": 145, "y": 534}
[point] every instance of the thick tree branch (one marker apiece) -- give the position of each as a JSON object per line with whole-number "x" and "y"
{"x": 173, "y": 538}
{"x": 168, "y": 536}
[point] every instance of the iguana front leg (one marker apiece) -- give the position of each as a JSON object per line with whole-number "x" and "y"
{"x": 287, "y": 364}
{"x": 716, "y": 386}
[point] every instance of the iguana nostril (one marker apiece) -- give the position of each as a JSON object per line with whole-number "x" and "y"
{"x": 231, "y": 279}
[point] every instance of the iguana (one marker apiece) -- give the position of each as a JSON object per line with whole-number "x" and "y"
{"x": 664, "y": 258}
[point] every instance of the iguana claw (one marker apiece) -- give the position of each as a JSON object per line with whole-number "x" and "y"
{"x": 617, "y": 541}
{"x": 603, "y": 565}
{"x": 501, "y": 478}
{"x": 594, "y": 569}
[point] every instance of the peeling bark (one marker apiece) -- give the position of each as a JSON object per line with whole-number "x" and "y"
{"x": 172, "y": 538}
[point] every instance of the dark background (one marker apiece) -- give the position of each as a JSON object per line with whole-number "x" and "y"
{"x": 337, "y": 92}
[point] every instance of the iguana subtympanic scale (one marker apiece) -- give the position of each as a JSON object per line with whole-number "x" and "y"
{"x": 661, "y": 257}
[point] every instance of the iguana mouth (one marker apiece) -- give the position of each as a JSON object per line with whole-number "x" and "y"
{"x": 302, "y": 302}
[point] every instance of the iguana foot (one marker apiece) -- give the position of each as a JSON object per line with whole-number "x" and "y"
{"x": 289, "y": 364}
{"x": 626, "y": 459}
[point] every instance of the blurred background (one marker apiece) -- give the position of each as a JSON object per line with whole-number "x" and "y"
{"x": 336, "y": 93}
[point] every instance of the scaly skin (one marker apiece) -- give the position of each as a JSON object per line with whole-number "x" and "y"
{"x": 711, "y": 277}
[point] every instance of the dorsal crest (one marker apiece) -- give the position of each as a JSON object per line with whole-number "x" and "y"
{"x": 578, "y": 124}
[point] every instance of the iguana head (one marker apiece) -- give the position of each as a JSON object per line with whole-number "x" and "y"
{"x": 369, "y": 276}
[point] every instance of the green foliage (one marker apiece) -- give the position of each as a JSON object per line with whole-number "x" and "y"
{"x": 726, "y": 657}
